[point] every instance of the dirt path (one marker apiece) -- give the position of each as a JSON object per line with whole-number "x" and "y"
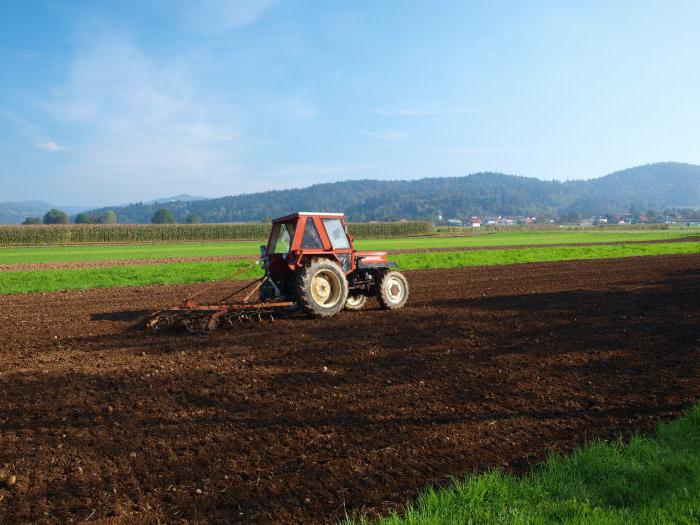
{"x": 162, "y": 260}
{"x": 303, "y": 420}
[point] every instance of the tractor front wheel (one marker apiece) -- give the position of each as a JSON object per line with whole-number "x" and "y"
{"x": 356, "y": 301}
{"x": 393, "y": 290}
{"x": 322, "y": 288}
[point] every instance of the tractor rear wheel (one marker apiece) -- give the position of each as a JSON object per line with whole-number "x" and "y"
{"x": 356, "y": 301}
{"x": 322, "y": 288}
{"x": 393, "y": 290}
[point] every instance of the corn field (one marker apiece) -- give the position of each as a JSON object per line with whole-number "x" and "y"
{"x": 390, "y": 229}
{"x": 27, "y": 235}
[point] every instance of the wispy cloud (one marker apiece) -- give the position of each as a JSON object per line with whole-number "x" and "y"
{"x": 146, "y": 125}
{"x": 32, "y": 132}
{"x": 388, "y": 135}
{"x": 425, "y": 111}
{"x": 50, "y": 145}
{"x": 219, "y": 16}
{"x": 26, "y": 125}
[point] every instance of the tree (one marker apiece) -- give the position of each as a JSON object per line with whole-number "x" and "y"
{"x": 108, "y": 217}
{"x": 654, "y": 216}
{"x": 193, "y": 218}
{"x": 55, "y": 216}
{"x": 163, "y": 216}
{"x": 83, "y": 218}
{"x": 573, "y": 217}
{"x": 32, "y": 220}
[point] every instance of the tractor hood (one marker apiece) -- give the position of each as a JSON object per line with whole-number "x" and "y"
{"x": 371, "y": 257}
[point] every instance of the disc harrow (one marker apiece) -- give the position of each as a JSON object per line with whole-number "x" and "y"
{"x": 192, "y": 316}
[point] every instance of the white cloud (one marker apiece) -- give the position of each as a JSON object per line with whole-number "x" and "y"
{"x": 424, "y": 111}
{"x": 388, "y": 135}
{"x": 26, "y": 125}
{"x": 50, "y": 145}
{"x": 30, "y": 130}
{"x": 219, "y": 16}
{"x": 147, "y": 126}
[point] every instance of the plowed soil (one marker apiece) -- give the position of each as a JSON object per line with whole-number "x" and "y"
{"x": 302, "y": 421}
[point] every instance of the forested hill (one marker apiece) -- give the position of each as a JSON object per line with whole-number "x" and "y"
{"x": 654, "y": 186}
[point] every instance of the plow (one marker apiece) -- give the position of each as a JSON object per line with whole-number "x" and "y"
{"x": 310, "y": 265}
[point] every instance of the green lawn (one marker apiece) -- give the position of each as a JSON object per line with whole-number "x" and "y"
{"x": 50, "y": 254}
{"x": 648, "y": 480}
{"x": 180, "y": 273}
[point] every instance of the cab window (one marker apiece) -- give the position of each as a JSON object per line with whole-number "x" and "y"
{"x": 281, "y": 238}
{"x": 311, "y": 237}
{"x": 336, "y": 233}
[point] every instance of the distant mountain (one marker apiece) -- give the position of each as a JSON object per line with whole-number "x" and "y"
{"x": 182, "y": 198}
{"x": 16, "y": 212}
{"x": 654, "y": 186}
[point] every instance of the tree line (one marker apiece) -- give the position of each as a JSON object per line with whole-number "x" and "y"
{"x": 55, "y": 216}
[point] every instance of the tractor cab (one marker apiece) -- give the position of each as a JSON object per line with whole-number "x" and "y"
{"x": 319, "y": 244}
{"x": 302, "y": 235}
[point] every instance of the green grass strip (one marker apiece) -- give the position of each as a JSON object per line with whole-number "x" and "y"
{"x": 429, "y": 260}
{"x": 177, "y": 273}
{"x": 652, "y": 479}
{"x": 518, "y": 238}
{"x": 53, "y": 254}
{"x": 49, "y": 254}
{"x": 182, "y": 273}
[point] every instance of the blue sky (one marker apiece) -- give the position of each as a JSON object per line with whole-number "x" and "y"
{"x": 110, "y": 102}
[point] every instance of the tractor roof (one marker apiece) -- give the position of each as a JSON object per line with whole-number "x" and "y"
{"x": 298, "y": 214}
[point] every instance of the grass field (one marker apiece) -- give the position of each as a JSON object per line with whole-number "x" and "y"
{"x": 428, "y": 260}
{"x": 51, "y": 254}
{"x": 648, "y": 480}
{"x": 181, "y": 273}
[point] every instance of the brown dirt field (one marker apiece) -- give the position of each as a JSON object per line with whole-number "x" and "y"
{"x": 303, "y": 420}
{"x": 70, "y": 265}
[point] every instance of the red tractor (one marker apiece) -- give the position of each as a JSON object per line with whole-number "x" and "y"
{"x": 310, "y": 259}
{"x": 310, "y": 264}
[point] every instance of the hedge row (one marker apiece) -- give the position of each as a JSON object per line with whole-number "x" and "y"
{"x": 15, "y": 235}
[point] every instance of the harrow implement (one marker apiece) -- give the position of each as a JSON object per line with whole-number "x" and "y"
{"x": 193, "y": 316}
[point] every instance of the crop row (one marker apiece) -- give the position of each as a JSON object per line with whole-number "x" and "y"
{"x": 12, "y": 235}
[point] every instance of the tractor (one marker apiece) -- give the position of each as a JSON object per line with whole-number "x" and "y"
{"x": 310, "y": 258}
{"x": 310, "y": 265}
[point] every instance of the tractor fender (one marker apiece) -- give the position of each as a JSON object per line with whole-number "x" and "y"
{"x": 305, "y": 259}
